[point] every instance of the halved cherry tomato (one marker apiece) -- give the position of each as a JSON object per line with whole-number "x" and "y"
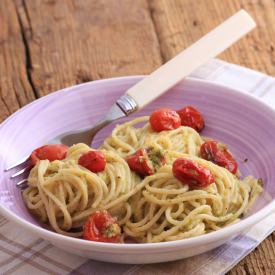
{"x": 217, "y": 153}
{"x": 51, "y": 152}
{"x": 93, "y": 160}
{"x": 102, "y": 227}
{"x": 164, "y": 119}
{"x": 191, "y": 117}
{"x": 191, "y": 173}
{"x": 139, "y": 162}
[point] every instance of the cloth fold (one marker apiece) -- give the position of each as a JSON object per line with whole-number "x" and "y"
{"x": 22, "y": 253}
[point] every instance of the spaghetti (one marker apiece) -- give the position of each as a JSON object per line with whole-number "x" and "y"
{"x": 126, "y": 139}
{"x": 155, "y": 208}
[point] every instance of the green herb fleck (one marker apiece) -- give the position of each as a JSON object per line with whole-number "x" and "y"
{"x": 156, "y": 155}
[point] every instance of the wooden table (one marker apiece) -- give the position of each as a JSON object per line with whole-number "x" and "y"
{"x": 48, "y": 45}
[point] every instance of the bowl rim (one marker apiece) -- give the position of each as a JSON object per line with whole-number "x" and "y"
{"x": 120, "y": 248}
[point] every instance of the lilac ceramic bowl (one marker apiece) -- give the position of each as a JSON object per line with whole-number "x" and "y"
{"x": 244, "y": 123}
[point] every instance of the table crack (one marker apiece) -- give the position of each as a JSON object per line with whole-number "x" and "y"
{"x": 28, "y": 62}
{"x": 151, "y": 13}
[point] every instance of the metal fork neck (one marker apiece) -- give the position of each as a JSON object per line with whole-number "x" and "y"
{"x": 127, "y": 104}
{"x": 123, "y": 107}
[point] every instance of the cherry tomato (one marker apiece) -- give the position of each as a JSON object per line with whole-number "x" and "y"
{"x": 139, "y": 162}
{"x": 191, "y": 117}
{"x": 51, "y": 152}
{"x": 93, "y": 160}
{"x": 191, "y": 173}
{"x": 164, "y": 119}
{"x": 102, "y": 227}
{"x": 217, "y": 153}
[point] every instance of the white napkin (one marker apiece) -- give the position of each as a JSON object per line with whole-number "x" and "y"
{"x": 22, "y": 253}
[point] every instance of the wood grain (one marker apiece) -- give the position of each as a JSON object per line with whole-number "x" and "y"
{"x": 46, "y": 45}
{"x": 181, "y": 22}
{"x": 15, "y": 89}
{"x": 77, "y": 41}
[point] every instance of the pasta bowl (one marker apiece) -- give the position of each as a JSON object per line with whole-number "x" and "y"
{"x": 238, "y": 119}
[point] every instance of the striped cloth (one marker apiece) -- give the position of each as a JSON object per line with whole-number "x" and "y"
{"x": 22, "y": 253}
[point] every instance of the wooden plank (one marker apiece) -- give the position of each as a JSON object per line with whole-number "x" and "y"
{"x": 77, "y": 41}
{"x": 181, "y": 22}
{"x": 15, "y": 89}
{"x": 260, "y": 261}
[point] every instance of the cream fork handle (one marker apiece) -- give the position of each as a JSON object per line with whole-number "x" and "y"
{"x": 209, "y": 46}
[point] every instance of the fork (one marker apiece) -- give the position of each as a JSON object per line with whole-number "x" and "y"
{"x": 154, "y": 85}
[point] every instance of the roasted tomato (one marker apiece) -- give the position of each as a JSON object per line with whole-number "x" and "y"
{"x": 164, "y": 119}
{"x": 51, "y": 152}
{"x": 191, "y": 117}
{"x": 191, "y": 173}
{"x": 102, "y": 227}
{"x": 93, "y": 160}
{"x": 140, "y": 163}
{"x": 218, "y": 153}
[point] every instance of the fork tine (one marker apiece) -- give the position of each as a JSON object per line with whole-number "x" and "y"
{"x": 22, "y": 184}
{"x": 17, "y": 164}
{"x": 21, "y": 172}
